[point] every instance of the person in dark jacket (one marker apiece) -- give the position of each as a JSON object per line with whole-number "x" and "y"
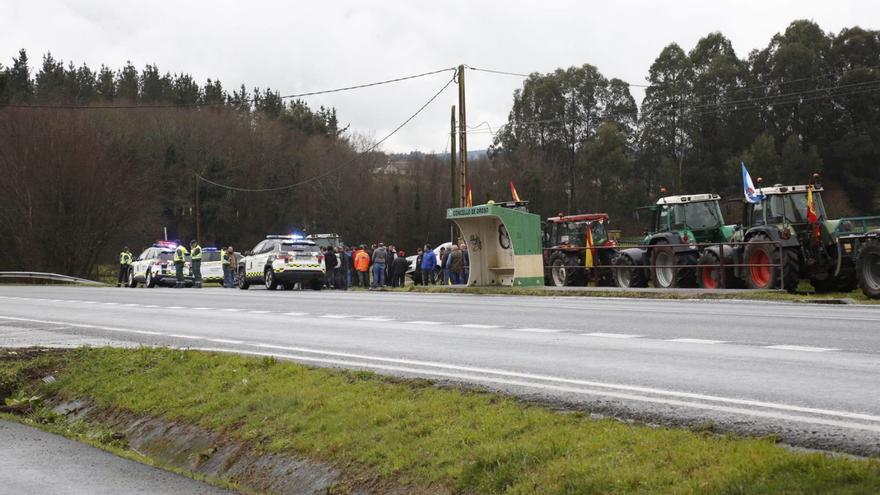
{"x": 417, "y": 274}
{"x": 330, "y": 264}
{"x": 341, "y": 277}
{"x": 455, "y": 264}
{"x": 379, "y": 257}
{"x": 444, "y": 268}
{"x": 399, "y": 268}
{"x": 389, "y": 264}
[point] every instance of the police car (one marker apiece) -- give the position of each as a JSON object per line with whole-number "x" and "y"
{"x": 211, "y": 267}
{"x": 282, "y": 261}
{"x": 155, "y": 266}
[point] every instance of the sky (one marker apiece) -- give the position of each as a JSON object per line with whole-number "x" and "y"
{"x": 297, "y": 47}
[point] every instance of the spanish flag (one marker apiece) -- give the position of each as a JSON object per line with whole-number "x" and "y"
{"x": 588, "y": 258}
{"x": 513, "y": 193}
{"x": 470, "y": 197}
{"x": 811, "y": 215}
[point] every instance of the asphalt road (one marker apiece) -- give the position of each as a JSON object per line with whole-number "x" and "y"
{"x": 807, "y": 373}
{"x": 33, "y": 461}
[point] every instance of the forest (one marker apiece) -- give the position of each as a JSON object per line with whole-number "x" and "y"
{"x": 94, "y": 159}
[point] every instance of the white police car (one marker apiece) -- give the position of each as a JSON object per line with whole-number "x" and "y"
{"x": 155, "y": 266}
{"x": 282, "y": 261}
{"x": 211, "y": 267}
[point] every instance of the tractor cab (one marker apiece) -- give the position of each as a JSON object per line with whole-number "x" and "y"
{"x": 571, "y": 230}
{"x": 694, "y": 217}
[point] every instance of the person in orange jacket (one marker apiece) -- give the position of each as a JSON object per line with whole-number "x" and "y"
{"x": 362, "y": 267}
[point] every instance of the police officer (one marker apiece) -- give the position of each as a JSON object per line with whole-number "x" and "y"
{"x": 124, "y": 266}
{"x": 179, "y": 259}
{"x": 226, "y": 262}
{"x": 196, "y": 257}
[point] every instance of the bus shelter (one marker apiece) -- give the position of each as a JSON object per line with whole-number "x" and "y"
{"x": 504, "y": 244}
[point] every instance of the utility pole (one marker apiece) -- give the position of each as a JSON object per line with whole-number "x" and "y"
{"x": 462, "y": 139}
{"x": 452, "y": 189}
{"x": 198, "y": 212}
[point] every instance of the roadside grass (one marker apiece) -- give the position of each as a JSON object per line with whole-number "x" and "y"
{"x": 426, "y": 436}
{"x": 804, "y": 294}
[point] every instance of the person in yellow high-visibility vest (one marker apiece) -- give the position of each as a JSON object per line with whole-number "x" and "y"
{"x": 179, "y": 259}
{"x": 124, "y": 267}
{"x": 196, "y": 267}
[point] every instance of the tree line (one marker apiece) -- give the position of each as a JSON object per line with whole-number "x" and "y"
{"x": 807, "y": 102}
{"x": 78, "y": 184}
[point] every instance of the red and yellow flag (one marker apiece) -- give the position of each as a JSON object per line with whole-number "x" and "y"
{"x": 812, "y": 217}
{"x": 588, "y": 258}
{"x": 470, "y": 197}
{"x": 513, "y": 193}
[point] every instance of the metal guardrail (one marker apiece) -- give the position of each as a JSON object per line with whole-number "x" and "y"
{"x": 47, "y": 276}
{"x": 698, "y": 247}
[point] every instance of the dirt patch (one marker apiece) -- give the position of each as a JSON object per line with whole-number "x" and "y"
{"x": 213, "y": 455}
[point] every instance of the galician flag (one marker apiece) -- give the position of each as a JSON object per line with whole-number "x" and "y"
{"x": 749, "y": 187}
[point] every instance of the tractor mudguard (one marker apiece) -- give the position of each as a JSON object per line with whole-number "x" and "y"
{"x": 638, "y": 255}
{"x": 732, "y": 254}
{"x": 773, "y": 234}
{"x": 671, "y": 238}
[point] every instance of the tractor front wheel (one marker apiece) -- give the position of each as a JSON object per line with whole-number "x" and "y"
{"x": 868, "y": 268}
{"x": 709, "y": 272}
{"x": 671, "y": 269}
{"x": 565, "y": 270}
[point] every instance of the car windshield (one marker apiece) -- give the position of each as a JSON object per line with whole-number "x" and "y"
{"x": 210, "y": 256}
{"x": 166, "y": 255}
{"x": 697, "y": 216}
{"x": 792, "y": 206}
{"x": 299, "y": 248}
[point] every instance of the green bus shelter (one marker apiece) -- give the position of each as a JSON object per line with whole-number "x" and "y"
{"x": 504, "y": 244}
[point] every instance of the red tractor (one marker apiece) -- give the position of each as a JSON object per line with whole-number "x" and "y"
{"x": 573, "y": 246}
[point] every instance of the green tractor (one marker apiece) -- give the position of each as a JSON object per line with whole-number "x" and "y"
{"x": 669, "y": 251}
{"x": 868, "y": 264}
{"x": 783, "y": 246}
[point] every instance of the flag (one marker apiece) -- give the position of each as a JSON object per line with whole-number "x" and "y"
{"x": 749, "y": 187}
{"x": 470, "y": 197}
{"x": 513, "y": 193}
{"x": 588, "y": 258}
{"x": 811, "y": 214}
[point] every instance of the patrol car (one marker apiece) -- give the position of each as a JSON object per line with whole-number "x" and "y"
{"x": 155, "y": 266}
{"x": 282, "y": 261}
{"x": 212, "y": 268}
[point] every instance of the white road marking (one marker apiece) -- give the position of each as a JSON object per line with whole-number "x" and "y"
{"x": 175, "y": 307}
{"x": 111, "y": 303}
{"x": 150, "y": 306}
{"x": 179, "y": 336}
{"x": 606, "y": 393}
{"x": 802, "y": 348}
{"x": 259, "y": 312}
{"x": 201, "y": 309}
{"x": 90, "y": 302}
{"x": 131, "y": 305}
{"x": 425, "y": 322}
{"x": 537, "y": 330}
{"x": 295, "y": 314}
{"x": 146, "y": 332}
{"x": 600, "y": 388}
{"x": 376, "y": 318}
{"x": 478, "y": 325}
{"x": 612, "y": 335}
{"x": 227, "y": 341}
{"x": 230, "y": 309}
{"x": 336, "y": 317}
{"x": 697, "y": 341}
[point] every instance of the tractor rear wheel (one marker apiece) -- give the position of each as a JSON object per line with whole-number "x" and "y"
{"x": 868, "y": 268}
{"x": 764, "y": 262}
{"x": 627, "y": 274}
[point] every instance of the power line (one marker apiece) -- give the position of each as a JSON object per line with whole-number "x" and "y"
{"x": 518, "y": 74}
{"x": 209, "y": 104}
{"x": 337, "y": 168}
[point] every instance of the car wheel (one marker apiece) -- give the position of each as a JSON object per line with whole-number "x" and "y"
{"x": 131, "y": 281}
{"x": 316, "y": 284}
{"x": 241, "y": 278}
{"x": 269, "y": 279}
{"x": 150, "y": 281}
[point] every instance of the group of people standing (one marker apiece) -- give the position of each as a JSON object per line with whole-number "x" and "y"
{"x": 376, "y": 267}
{"x": 452, "y": 265}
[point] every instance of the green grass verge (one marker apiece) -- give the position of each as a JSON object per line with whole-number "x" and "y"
{"x": 432, "y": 437}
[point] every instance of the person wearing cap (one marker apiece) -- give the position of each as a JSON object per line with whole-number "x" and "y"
{"x": 196, "y": 266}
{"x": 398, "y": 270}
{"x": 379, "y": 257}
{"x": 124, "y": 267}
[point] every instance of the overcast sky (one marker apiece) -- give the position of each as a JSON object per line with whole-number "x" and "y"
{"x": 295, "y": 47}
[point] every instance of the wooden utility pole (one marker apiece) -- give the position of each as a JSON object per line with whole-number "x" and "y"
{"x": 462, "y": 139}
{"x": 198, "y": 213}
{"x": 453, "y": 191}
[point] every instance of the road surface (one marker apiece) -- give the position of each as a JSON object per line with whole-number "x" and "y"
{"x": 33, "y": 461}
{"x": 807, "y": 373}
